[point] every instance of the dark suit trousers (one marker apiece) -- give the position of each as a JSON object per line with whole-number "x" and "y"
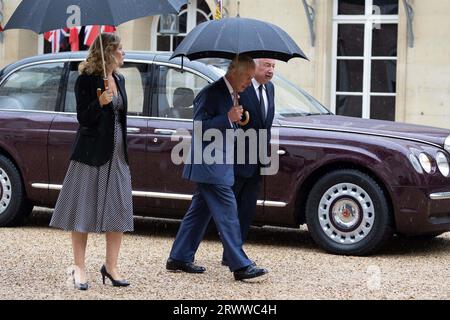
{"x": 246, "y": 191}
{"x": 219, "y": 202}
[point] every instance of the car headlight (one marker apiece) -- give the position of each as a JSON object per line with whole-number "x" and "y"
{"x": 447, "y": 144}
{"x": 415, "y": 163}
{"x": 442, "y": 164}
{"x": 425, "y": 162}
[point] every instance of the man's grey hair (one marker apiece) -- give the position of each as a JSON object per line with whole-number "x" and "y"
{"x": 240, "y": 63}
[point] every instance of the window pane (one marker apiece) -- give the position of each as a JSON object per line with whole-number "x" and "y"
{"x": 382, "y": 108}
{"x": 385, "y": 6}
{"x": 385, "y": 40}
{"x": 201, "y": 17}
{"x": 349, "y": 76}
{"x": 70, "y": 104}
{"x": 176, "y": 41}
{"x": 350, "y": 40}
{"x": 176, "y": 91}
{"x": 183, "y": 23}
{"x": 350, "y": 106}
{"x": 32, "y": 88}
{"x": 163, "y": 43}
{"x": 351, "y": 7}
{"x": 384, "y": 75}
{"x": 136, "y": 83}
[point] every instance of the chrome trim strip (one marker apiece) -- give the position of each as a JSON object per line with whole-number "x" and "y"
{"x": 133, "y": 130}
{"x": 47, "y": 186}
{"x": 165, "y": 132}
{"x": 440, "y": 196}
{"x": 275, "y": 204}
{"x": 160, "y": 195}
{"x": 360, "y": 132}
{"x": 169, "y": 119}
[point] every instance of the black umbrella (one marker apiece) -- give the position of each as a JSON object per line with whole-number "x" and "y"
{"x": 229, "y": 37}
{"x": 46, "y": 15}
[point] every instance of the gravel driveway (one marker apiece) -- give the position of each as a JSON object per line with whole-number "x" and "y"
{"x": 34, "y": 259}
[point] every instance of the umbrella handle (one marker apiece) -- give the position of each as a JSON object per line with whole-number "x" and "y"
{"x": 246, "y": 119}
{"x": 99, "y": 91}
{"x": 246, "y": 113}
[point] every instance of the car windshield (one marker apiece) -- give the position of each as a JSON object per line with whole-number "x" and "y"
{"x": 290, "y": 101}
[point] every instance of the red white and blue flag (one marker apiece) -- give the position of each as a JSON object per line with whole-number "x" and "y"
{"x": 91, "y": 33}
{"x": 55, "y": 37}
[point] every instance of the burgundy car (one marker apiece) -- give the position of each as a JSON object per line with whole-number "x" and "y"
{"x": 354, "y": 182}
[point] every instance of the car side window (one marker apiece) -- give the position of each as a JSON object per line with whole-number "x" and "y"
{"x": 136, "y": 83}
{"x": 32, "y": 88}
{"x": 176, "y": 91}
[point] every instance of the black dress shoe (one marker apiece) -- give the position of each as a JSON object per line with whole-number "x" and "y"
{"x": 115, "y": 283}
{"x": 189, "y": 267}
{"x": 249, "y": 272}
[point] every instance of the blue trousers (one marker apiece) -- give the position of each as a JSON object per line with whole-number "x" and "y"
{"x": 218, "y": 202}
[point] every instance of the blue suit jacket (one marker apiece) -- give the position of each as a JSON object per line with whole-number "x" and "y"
{"x": 211, "y": 107}
{"x": 249, "y": 100}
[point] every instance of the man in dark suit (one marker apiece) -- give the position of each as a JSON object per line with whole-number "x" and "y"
{"x": 215, "y": 112}
{"x": 258, "y": 99}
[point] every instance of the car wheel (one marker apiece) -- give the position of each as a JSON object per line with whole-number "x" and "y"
{"x": 347, "y": 213}
{"x": 14, "y": 206}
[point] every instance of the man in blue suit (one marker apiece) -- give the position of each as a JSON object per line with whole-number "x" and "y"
{"x": 214, "y": 110}
{"x": 259, "y": 100}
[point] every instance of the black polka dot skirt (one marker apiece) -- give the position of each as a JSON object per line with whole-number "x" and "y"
{"x": 97, "y": 199}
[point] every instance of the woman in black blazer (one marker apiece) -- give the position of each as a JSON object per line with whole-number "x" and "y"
{"x": 96, "y": 195}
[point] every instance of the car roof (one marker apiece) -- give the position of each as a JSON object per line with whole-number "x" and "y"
{"x": 141, "y": 56}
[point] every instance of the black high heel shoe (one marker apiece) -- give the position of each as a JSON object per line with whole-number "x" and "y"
{"x": 78, "y": 285}
{"x": 115, "y": 283}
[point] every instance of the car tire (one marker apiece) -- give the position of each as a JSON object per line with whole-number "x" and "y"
{"x": 347, "y": 213}
{"x": 14, "y": 206}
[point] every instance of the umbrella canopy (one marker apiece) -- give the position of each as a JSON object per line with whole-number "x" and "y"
{"x": 45, "y": 15}
{"x": 229, "y": 37}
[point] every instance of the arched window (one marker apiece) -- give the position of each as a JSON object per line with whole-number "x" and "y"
{"x": 196, "y": 12}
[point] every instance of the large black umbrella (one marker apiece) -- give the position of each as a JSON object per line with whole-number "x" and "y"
{"x": 229, "y": 37}
{"x": 46, "y": 15}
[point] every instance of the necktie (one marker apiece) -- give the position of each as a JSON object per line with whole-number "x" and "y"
{"x": 262, "y": 105}
{"x": 235, "y": 102}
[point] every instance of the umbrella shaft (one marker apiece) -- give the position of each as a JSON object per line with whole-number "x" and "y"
{"x": 103, "y": 54}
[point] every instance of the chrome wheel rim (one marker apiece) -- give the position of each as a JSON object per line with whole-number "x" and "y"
{"x": 5, "y": 191}
{"x": 346, "y": 213}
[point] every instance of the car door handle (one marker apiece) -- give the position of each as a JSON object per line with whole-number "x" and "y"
{"x": 133, "y": 130}
{"x": 166, "y": 132}
{"x": 281, "y": 152}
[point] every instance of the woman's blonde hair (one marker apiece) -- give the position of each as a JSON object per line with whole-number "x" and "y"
{"x": 93, "y": 64}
